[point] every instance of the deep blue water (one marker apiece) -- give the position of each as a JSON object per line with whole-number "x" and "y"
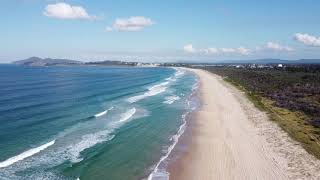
{"x": 89, "y": 122}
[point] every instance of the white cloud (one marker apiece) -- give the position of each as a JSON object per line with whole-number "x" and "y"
{"x": 227, "y": 50}
{"x": 134, "y": 23}
{"x": 307, "y": 39}
{"x": 270, "y": 46}
{"x": 277, "y": 47}
{"x": 210, "y": 51}
{"x": 189, "y": 48}
{"x": 65, "y": 11}
{"x": 243, "y": 51}
{"x": 213, "y": 50}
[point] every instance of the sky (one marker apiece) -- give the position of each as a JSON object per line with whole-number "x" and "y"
{"x": 159, "y": 30}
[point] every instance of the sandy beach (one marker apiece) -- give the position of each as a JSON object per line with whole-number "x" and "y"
{"x": 231, "y": 139}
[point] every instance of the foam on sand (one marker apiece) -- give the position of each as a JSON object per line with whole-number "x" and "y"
{"x": 25, "y": 154}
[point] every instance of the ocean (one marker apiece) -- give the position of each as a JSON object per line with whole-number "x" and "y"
{"x": 83, "y": 123}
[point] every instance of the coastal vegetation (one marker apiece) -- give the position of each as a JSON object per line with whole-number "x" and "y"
{"x": 290, "y": 96}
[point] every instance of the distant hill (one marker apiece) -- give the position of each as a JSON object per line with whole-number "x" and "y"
{"x": 308, "y": 61}
{"x": 274, "y": 61}
{"x": 36, "y": 61}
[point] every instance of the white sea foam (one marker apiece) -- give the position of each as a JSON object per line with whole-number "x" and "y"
{"x": 90, "y": 140}
{"x": 87, "y": 141}
{"x": 171, "y": 79}
{"x": 152, "y": 91}
{"x": 161, "y": 174}
{"x": 179, "y": 72}
{"x": 103, "y": 112}
{"x": 127, "y": 115}
{"x": 25, "y": 154}
{"x": 171, "y": 99}
{"x": 67, "y": 146}
{"x": 159, "y": 85}
{"x": 159, "y": 88}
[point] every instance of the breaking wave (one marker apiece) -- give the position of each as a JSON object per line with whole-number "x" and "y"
{"x": 25, "y": 154}
{"x": 158, "y": 88}
{"x": 103, "y": 112}
{"x": 171, "y": 99}
{"x": 127, "y": 115}
{"x": 152, "y": 91}
{"x": 159, "y": 170}
{"x": 87, "y": 141}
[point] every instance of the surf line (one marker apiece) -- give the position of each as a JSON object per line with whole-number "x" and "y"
{"x": 25, "y": 154}
{"x": 127, "y": 115}
{"x": 152, "y": 91}
{"x": 103, "y": 112}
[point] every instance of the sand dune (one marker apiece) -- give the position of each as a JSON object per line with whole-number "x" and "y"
{"x": 233, "y": 140}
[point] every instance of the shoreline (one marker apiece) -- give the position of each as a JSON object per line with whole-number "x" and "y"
{"x": 179, "y": 143}
{"x": 231, "y": 139}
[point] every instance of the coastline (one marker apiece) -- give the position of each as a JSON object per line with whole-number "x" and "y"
{"x": 231, "y": 139}
{"x": 178, "y": 140}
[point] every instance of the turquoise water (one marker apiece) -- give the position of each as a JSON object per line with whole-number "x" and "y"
{"x": 90, "y": 122}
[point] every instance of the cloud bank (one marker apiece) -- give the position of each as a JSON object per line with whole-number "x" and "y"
{"x": 65, "y": 11}
{"x": 277, "y": 47}
{"x": 215, "y": 51}
{"x": 307, "y": 39}
{"x": 134, "y": 23}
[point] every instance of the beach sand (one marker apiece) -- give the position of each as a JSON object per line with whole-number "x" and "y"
{"x": 231, "y": 139}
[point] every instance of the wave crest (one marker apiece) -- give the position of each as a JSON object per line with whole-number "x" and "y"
{"x": 87, "y": 141}
{"x": 103, "y": 112}
{"x": 127, "y": 115}
{"x": 152, "y": 91}
{"x": 25, "y": 154}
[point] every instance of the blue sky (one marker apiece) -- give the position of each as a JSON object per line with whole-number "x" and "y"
{"x": 166, "y": 30}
